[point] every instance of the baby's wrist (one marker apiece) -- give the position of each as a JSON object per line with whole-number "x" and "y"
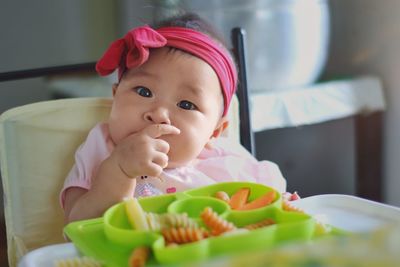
{"x": 118, "y": 168}
{"x": 110, "y": 180}
{"x": 125, "y": 173}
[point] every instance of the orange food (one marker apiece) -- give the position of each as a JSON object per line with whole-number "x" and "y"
{"x": 262, "y": 201}
{"x": 260, "y": 224}
{"x": 287, "y": 206}
{"x": 240, "y": 197}
{"x": 222, "y": 195}
{"x": 139, "y": 257}
{"x": 216, "y": 224}
{"x": 182, "y": 235}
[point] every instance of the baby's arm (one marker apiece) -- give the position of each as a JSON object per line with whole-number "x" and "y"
{"x": 108, "y": 187}
{"x": 141, "y": 153}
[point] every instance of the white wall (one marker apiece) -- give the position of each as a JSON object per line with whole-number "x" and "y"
{"x": 366, "y": 39}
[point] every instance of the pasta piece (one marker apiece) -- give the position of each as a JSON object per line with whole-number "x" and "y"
{"x": 158, "y": 222}
{"x": 287, "y": 206}
{"x": 216, "y": 224}
{"x": 179, "y": 220}
{"x": 171, "y": 245}
{"x": 237, "y": 231}
{"x": 222, "y": 195}
{"x": 320, "y": 227}
{"x": 260, "y": 224}
{"x": 78, "y": 262}
{"x": 181, "y": 235}
{"x": 153, "y": 221}
{"x": 139, "y": 257}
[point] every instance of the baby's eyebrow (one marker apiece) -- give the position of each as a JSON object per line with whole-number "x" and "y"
{"x": 198, "y": 91}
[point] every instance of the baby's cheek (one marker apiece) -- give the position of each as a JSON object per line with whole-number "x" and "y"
{"x": 187, "y": 145}
{"x": 180, "y": 155}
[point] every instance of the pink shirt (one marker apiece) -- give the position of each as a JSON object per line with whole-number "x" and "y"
{"x": 225, "y": 162}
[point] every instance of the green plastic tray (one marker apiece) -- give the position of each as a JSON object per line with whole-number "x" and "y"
{"x": 111, "y": 238}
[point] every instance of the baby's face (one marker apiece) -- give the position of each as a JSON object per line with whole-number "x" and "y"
{"x": 172, "y": 87}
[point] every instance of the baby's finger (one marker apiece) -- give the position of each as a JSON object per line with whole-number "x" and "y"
{"x": 157, "y": 130}
{"x": 161, "y": 145}
{"x": 154, "y": 170}
{"x": 161, "y": 160}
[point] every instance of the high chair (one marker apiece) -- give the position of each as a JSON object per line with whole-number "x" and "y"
{"x": 37, "y": 146}
{"x": 38, "y": 142}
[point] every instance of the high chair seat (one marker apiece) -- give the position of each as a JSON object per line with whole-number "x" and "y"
{"x": 37, "y": 146}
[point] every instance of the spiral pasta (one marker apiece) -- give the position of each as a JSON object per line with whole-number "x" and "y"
{"x": 181, "y": 235}
{"x": 260, "y": 224}
{"x": 77, "y": 262}
{"x": 179, "y": 220}
{"x": 158, "y": 222}
{"x": 153, "y": 221}
{"x": 287, "y": 206}
{"x": 139, "y": 257}
{"x": 216, "y": 224}
{"x": 320, "y": 227}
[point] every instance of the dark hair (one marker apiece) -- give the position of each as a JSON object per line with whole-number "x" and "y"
{"x": 193, "y": 21}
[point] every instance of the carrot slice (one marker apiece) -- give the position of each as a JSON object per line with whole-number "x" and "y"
{"x": 239, "y": 198}
{"x": 262, "y": 201}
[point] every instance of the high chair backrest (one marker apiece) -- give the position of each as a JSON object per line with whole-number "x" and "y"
{"x": 37, "y": 145}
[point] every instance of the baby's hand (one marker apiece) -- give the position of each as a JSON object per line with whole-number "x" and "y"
{"x": 143, "y": 153}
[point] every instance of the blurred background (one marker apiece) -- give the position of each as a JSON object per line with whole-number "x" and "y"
{"x": 292, "y": 45}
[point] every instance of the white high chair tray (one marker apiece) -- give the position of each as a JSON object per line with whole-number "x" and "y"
{"x": 346, "y": 212}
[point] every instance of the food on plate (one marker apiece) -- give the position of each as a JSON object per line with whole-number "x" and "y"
{"x": 136, "y": 215}
{"x": 260, "y": 202}
{"x": 263, "y": 223}
{"x": 157, "y": 221}
{"x": 139, "y": 257}
{"x": 222, "y": 195}
{"x": 182, "y": 235}
{"x": 216, "y": 224}
{"x": 239, "y": 198}
{"x": 287, "y": 206}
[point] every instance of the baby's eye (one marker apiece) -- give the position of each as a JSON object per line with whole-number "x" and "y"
{"x": 187, "y": 105}
{"x": 143, "y": 91}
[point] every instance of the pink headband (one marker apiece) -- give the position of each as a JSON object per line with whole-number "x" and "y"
{"x": 133, "y": 50}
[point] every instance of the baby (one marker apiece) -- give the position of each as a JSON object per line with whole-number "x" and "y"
{"x": 175, "y": 84}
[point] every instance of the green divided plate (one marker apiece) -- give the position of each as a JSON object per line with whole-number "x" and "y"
{"x": 111, "y": 238}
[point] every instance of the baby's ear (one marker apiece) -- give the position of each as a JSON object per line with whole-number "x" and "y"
{"x": 114, "y": 88}
{"x": 221, "y": 126}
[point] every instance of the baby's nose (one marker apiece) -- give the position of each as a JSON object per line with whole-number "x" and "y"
{"x": 158, "y": 116}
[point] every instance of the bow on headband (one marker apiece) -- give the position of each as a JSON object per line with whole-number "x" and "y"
{"x": 133, "y": 50}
